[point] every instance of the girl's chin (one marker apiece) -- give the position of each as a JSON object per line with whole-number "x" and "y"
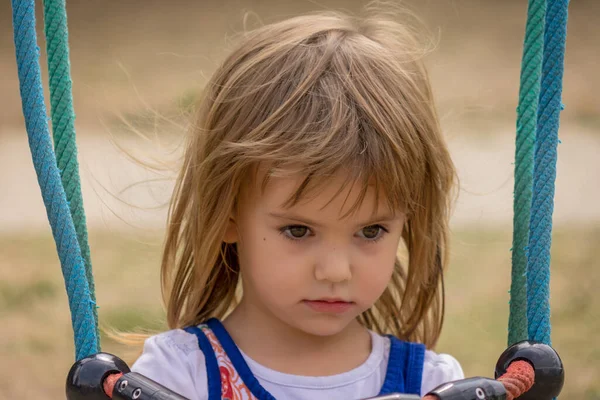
{"x": 323, "y": 325}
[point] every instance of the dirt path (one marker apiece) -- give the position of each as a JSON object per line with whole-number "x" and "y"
{"x": 484, "y": 165}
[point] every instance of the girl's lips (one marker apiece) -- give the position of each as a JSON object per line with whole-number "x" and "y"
{"x": 329, "y": 306}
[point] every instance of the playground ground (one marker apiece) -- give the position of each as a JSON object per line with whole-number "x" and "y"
{"x": 130, "y": 61}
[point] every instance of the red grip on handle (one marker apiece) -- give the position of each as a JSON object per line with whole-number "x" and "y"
{"x": 109, "y": 383}
{"x": 518, "y": 379}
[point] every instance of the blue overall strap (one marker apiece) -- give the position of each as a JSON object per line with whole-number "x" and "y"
{"x": 405, "y": 367}
{"x": 213, "y": 375}
{"x": 237, "y": 359}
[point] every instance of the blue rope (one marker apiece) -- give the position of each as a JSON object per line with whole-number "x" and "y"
{"x": 540, "y": 236}
{"x": 53, "y": 194}
{"x": 529, "y": 94}
{"x": 63, "y": 123}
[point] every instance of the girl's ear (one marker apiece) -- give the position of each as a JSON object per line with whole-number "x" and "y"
{"x": 231, "y": 232}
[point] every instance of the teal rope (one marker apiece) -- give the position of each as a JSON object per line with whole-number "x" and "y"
{"x": 531, "y": 71}
{"x": 63, "y": 124}
{"x": 540, "y": 236}
{"x": 53, "y": 194}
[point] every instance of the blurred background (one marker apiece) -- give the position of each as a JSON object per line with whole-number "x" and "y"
{"x": 138, "y": 67}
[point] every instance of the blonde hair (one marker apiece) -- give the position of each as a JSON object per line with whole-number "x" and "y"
{"x": 325, "y": 92}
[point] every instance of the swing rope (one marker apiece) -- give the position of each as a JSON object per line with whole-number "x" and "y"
{"x": 531, "y": 71}
{"x": 57, "y": 209}
{"x": 63, "y": 124}
{"x": 535, "y": 169}
{"x": 540, "y": 236}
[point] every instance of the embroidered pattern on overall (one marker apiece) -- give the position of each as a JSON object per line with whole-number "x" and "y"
{"x": 232, "y": 385}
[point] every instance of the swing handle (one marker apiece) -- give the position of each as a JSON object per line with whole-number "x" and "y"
{"x": 105, "y": 376}
{"x": 526, "y": 370}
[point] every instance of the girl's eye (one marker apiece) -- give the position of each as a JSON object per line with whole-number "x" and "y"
{"x": 295, "y": 232}
{"x": 370, "y": 233}
{"x": 373, "y": 232}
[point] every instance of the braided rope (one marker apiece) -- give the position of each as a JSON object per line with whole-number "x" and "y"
{"x": 518, "y": 379}
{"x": 63, "y": 124}
{"x": 540, "y": 237}
{"x": 30, "y": 83}
{"x": 531, "y": 71}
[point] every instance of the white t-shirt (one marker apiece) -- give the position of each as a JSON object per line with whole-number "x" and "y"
{"x": 174, "y": 360}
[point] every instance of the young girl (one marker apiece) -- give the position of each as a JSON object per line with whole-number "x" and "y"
{"x": 316, "y": 153}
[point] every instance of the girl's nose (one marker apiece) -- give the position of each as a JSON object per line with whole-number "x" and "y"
{"x": 333, "y": 266}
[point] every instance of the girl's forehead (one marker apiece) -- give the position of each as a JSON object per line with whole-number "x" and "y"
{"x": 324, "y": 195}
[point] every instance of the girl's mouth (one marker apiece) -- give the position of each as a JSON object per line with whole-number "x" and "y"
{"x": 327, "y": 306}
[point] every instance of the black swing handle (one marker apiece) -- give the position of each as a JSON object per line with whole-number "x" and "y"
{"x": 104, "y": 376}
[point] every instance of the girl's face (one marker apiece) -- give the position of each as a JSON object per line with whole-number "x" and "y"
{"x": 305, "y": 266}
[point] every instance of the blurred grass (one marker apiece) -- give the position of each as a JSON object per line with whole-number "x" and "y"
{"x": 36, "y": 337}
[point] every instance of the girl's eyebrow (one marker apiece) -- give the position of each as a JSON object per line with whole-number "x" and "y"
{"x": 294, "y": 217}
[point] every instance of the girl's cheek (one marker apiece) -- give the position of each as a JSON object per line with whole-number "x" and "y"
{"x": 290, "y": 247}
{"x": 281, "y": 255}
